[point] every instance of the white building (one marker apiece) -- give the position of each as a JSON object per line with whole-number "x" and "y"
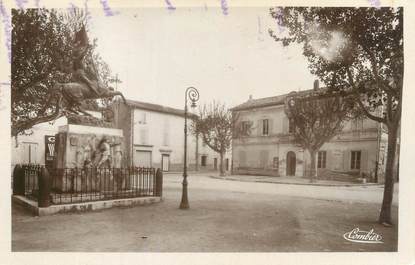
{"x": 154, "y": 137}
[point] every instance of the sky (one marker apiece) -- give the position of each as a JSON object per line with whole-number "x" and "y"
{"x": 158, "y": 53}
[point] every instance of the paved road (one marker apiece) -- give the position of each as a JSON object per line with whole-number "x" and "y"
{"x": 370, "y": 194}
{"x": 224, "y": 216}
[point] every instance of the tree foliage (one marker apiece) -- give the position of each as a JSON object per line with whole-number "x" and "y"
{"x": 43, "y": 45}
{"x": 217, "y": 126}
{"x": 358, "y": 51}
{"x": 317, "y": 120}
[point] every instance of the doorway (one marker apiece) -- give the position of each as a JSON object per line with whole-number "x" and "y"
{"x": 215, "y": 163}
{"x": 291, "y": 163}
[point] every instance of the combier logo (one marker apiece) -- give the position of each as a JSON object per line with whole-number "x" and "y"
{"x": 361, "y": 236}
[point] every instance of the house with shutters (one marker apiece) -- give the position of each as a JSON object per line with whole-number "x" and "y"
{"x": 269, "y": 149}
{"x": 153, "y": 136}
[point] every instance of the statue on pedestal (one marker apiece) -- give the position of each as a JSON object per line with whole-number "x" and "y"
{"x": 86, "y": 84}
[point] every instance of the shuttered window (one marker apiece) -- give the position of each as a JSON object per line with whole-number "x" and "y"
{"x": 355, "y": 159}
{"x": 203, "y": 160}
{"x": 275, "y": 163}
{"x": 265, "y": 127}
{"x": 245, "y": 127}
{"x": 30, "y": 153}
{"x": 321, "y": 159}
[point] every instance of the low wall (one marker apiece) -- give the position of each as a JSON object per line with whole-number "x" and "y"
{"x": 32, "y": 206}
{"x": 256, "y": 171}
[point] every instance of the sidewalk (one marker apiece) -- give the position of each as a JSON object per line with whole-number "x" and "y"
{"x": 290, "y": 180}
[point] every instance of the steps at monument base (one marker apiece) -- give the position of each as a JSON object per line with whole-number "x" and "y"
{"x": 63, "y": 198}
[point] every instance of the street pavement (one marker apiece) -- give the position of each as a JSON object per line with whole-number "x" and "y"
{"x": 224, "y": 216}
{"x": 362, "y": 193}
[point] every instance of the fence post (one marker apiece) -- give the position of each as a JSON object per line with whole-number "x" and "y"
{"x": 18, "y": 180}
{"x": 44, "y": 188}
{"x": 159, "y": 183}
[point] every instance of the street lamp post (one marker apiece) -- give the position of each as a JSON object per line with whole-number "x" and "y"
{"x": 192, "y": 94}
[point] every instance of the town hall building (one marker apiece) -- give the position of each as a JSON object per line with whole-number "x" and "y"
{"x": 356, "y": 152}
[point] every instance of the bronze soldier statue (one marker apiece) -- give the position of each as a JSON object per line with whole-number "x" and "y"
{"x": 85, "y": 83}
{"x": 79, "y": 66}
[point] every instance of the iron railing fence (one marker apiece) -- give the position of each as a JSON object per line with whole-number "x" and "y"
{"x": 74, "y": 185}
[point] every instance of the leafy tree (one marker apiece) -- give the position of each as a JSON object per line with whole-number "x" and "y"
{"x": 217, "y": 126}
{"x": 317, "y": 118}
{"x": 358, "y": 51}
{"x": 43, "y": 44}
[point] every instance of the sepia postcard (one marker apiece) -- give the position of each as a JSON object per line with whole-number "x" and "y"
{"x": 207, "y": 132}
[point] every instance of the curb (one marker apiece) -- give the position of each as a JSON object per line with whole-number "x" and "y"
{"x": 33, "y": 207}
{"x": 303, "y": 184}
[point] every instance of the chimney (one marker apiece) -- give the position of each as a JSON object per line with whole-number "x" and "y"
{"x": 316, "y": 85}
{"x": 250, "y": 98}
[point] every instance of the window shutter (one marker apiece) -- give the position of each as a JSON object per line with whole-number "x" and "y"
{"x": 259, "y": 127}
{"x": 250, "y": 128}
{"x": 346, "y": 160}
{"x": 364, "y": 161}
{"x": 270, "y": 126}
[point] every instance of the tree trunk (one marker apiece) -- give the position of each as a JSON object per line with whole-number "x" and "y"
{"x": 385, "y": 213}
{"x": 197, "y": 153}
{"x": 312, "y": 170}
{"x": 222, "y": 172}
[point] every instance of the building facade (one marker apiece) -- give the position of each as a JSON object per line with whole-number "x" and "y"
{"x": 37, "y": 145}
{"x": 154, "y": 137}
{"x": 152, "y": 134}
{"x": 269, "y": 149}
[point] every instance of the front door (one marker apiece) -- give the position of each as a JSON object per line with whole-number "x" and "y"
{"x": 291, "y": 163}
{"x": 215, "y": 163}
{"x": 165, "y": 159}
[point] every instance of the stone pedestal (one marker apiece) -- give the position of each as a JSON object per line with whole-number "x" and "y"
{"x": 79, "y": 149}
